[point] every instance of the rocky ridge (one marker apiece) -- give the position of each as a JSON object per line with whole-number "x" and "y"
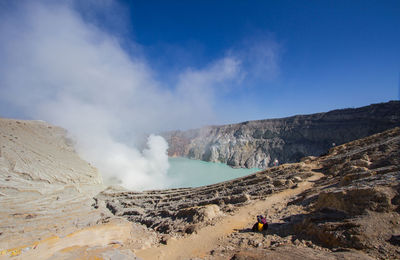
{"x": 351, "y": 212}
{"x": 258, "y": 143}
{"x": 342, "y": 205}
{"x": 184, "y": 210}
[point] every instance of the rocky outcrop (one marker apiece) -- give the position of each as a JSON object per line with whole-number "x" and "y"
{"x": 354, "y": 206}
{"x": 347, "y": 204}
{"x": 367, "y": 175}
{"x": 357, "y": 204}
{"x": 179, "y": 210}
{"x": 361, "y": 176}
{"x": 353, "y": 212}
{"x": 258, "y": 143}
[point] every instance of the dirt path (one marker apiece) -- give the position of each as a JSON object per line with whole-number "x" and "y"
{"x": 200, "y": 244}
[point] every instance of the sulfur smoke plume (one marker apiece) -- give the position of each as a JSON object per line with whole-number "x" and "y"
{"x": 59, "y": 67}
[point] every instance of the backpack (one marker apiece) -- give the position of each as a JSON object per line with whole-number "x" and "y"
{"x": 261, "y": 224}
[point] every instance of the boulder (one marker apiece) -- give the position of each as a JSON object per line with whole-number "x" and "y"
{"x": 355, "y": 200}
{"x": 279, "y": 182}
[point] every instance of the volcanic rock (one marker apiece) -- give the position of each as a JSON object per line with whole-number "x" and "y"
{"x": 258, "y": 143}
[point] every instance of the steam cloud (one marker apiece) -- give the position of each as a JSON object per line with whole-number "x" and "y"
{"x": 58, "y": 67}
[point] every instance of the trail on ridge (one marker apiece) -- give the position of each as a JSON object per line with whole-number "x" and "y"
{"x": 201, "y": 243}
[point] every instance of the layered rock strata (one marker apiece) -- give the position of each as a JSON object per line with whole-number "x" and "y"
{"x": 258, "y": 143}
{"x": 182, "y": 210}
{"x": 353, "y": 212}
{"x": 359, "y": 204}
{"x": 50, "y": 206}
{"x": 37, "y": 156}
{"x": 46, "y": 197}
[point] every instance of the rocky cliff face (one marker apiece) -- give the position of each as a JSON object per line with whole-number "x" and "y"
{"x": 258, "y": 143}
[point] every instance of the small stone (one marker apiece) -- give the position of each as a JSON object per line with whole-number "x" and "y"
{"x": 297, "y": 179}
{"x": 279, "y": 183}
{"x": 296, "y": 242}
{"x": 289, "y": 183}
{"x": 267, "y": 243}
{"x": 165, "y": 239}
{"x": 191, "y": 229}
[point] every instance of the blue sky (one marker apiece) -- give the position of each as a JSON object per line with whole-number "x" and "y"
{"x": 291, "y": 57}
{"x": 332, "y": 54}
{"x": 112, "y": 72}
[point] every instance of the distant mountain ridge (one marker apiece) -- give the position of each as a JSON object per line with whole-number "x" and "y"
{"x": 258, "y": 143}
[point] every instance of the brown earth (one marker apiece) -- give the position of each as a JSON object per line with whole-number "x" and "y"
{"x": 344, "y": 205}
{"x": 347, "y": 209}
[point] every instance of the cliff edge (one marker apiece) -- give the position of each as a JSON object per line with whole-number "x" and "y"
{"x": 258, "y": 143}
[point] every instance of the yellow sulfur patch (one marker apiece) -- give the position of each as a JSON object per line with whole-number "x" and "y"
{"x": 69, "y": 249}
{"x": 14, "y": 252}
{"x": 95, "y": 258}
{"x": 116, "y": 246}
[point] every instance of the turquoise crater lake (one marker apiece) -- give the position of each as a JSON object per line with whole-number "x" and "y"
{"x": 185, "y": 172}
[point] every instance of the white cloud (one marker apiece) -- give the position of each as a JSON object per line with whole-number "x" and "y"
{"x": 57, "y": 67}
{"x": 260, "y": 55}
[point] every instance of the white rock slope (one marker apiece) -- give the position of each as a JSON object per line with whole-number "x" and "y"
{"x": 46, "y": 197}
{"x": 35, "y": 156}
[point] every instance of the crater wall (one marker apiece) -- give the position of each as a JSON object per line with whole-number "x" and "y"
{"x": 258, "y": 143}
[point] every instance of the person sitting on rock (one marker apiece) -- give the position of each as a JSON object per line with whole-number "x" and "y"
{"x": 261, "y": 224}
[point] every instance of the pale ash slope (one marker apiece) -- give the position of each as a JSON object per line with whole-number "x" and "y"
{"x": 46, "y": 197}
{"x": 34, "y": 154}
